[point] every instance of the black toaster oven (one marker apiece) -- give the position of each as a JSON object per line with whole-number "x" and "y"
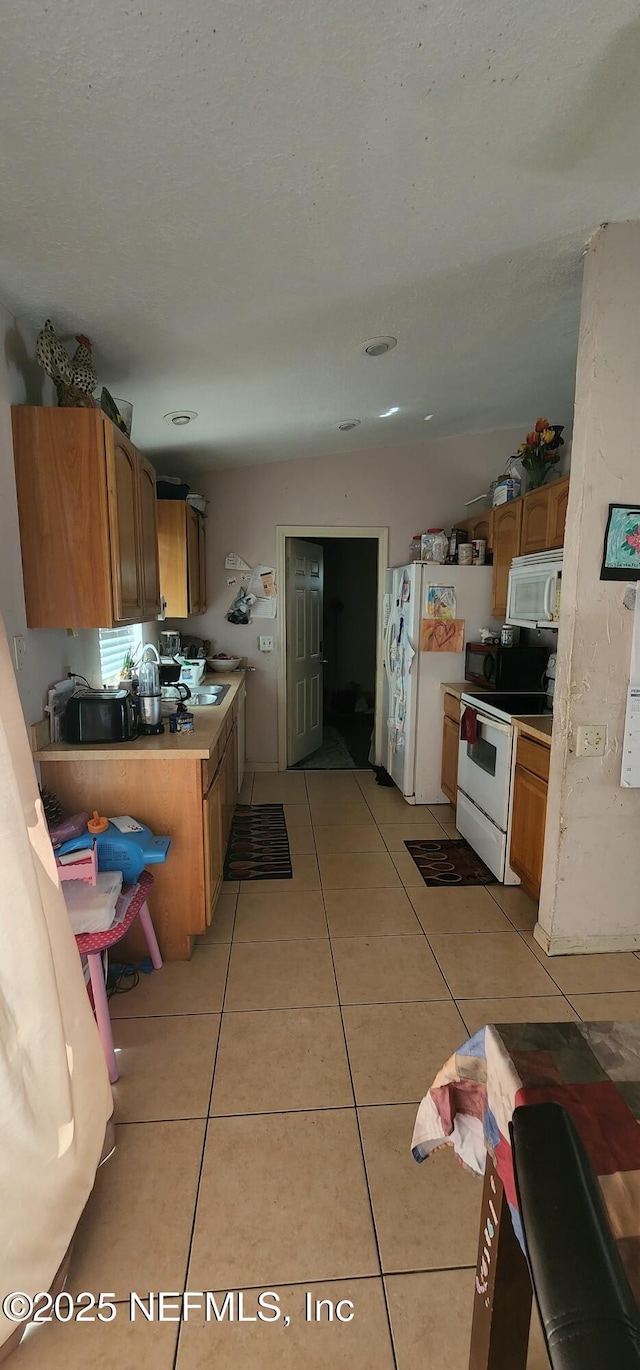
{"x": 101, "y": 716}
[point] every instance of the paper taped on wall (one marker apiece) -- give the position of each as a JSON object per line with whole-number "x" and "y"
{"x": 233, "y": 562}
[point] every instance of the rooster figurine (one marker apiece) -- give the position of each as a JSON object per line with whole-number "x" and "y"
{"x": 74, "y": 377}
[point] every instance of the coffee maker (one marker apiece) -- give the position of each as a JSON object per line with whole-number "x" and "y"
{"x": 149, "y": 694}
{"x": 170, "y": 644}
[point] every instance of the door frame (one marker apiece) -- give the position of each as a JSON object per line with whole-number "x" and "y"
{"x": 314, "y": 531}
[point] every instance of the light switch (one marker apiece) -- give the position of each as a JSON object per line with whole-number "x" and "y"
{"x": 265, "y": 644}
{"x": 19, "y": 651}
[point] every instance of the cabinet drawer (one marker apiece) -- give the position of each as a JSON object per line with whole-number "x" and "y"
{"x": 534, "y": 756}
{"x": 452, "y": 707}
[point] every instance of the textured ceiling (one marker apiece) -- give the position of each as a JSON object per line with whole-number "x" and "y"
{"x": 230, "y": 197}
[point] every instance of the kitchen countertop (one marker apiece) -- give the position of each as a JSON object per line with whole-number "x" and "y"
{"x": 531, "y": 725}
{"x": 208, "y": 722}
{"x": 538, "y": 727}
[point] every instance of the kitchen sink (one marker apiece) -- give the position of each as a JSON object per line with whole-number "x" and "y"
{"x": 206, "y": 696}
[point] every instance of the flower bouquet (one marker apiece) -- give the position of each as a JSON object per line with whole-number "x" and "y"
{"x": 540, "y": 451}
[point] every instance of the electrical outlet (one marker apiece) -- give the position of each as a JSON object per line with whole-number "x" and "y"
{"x": 19, "y": 651}
{"x": 265, "y": 644}
{"x": 591, "y": 739}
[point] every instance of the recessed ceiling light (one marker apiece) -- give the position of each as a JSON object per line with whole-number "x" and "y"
{"x": 376, "y": 347}
{"x": 179, "y": 417}
{"x": 427, "y": 417}
{"x": 348, "y": 424}
{"x": 388, "y": 412}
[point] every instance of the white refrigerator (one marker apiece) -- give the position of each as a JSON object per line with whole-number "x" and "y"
{"x": 412, "y": 698}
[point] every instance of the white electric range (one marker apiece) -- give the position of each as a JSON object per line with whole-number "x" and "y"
{"x": 485, "y": 775}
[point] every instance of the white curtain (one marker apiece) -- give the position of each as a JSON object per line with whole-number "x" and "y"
{"x": 55, "y": 1098}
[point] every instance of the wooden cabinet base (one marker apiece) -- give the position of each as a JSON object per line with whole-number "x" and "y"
{"x": 529, "y": 814}
{"x": 450, "y": 743}
{"x": 449, "y": 773}
{"x": 165, "y": 794}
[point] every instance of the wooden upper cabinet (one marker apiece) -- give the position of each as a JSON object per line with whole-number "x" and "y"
{"x": 193, "y": 561}
{"x": 535, "y": 515}
{"x": 544, "y": 512}
{"x": 149, "y": 560}
{"x": 507, "y": 524}
{"x": 480, "y": 526}
{"x": 202, "y": 564}
{"x": 122, "y": 480}
{"x": 558, "y": 499}
{"x": 86, "y": 525}
{"x": 182, "y": 543}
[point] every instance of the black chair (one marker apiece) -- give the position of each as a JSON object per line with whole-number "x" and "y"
{"x": 588, "y": 1313}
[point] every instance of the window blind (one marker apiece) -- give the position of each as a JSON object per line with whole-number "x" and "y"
{"x": 114, "y": 645}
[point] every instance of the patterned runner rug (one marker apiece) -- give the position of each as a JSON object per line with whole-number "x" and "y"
{"x": 450, "y": 862}
{"x": 258, "y": 846}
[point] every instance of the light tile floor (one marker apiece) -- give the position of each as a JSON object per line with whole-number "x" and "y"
{"x": 268, "y": 1091}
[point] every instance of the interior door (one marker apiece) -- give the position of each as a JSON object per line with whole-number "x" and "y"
{"x": 122, "y": 484}
{"x": 149, "y": 567}
{"x": 305, "y": 575}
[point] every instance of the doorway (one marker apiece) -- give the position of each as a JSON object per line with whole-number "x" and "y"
{"x": 330, "y": 661}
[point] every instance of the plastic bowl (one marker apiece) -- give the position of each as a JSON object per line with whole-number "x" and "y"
{"x": 227, "y": 663}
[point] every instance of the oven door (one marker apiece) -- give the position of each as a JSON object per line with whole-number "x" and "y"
{"x": 484, "y": 769}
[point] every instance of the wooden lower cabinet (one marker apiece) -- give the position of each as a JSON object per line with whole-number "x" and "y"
{"x": 214, "y": 846}
{"x": 218, "y": 808}
{"x": 177, "y": 797}
{"x": 450, "y": 742}
{"x": 529, "y": 813}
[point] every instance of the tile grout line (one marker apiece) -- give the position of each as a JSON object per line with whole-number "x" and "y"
{"x": 204, "y": 1142}
{"x": 361, "y": 1144}
{"x": 369, "y": 1003}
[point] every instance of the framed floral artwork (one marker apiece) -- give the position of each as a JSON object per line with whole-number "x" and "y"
{"x": 621, "y": 556}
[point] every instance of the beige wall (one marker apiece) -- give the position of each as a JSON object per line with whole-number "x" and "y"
{"x": 590, "y": 895}
{"x": 406, "y": 488}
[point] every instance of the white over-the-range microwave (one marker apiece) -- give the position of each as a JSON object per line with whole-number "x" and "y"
{"x": 533, "y": 599}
